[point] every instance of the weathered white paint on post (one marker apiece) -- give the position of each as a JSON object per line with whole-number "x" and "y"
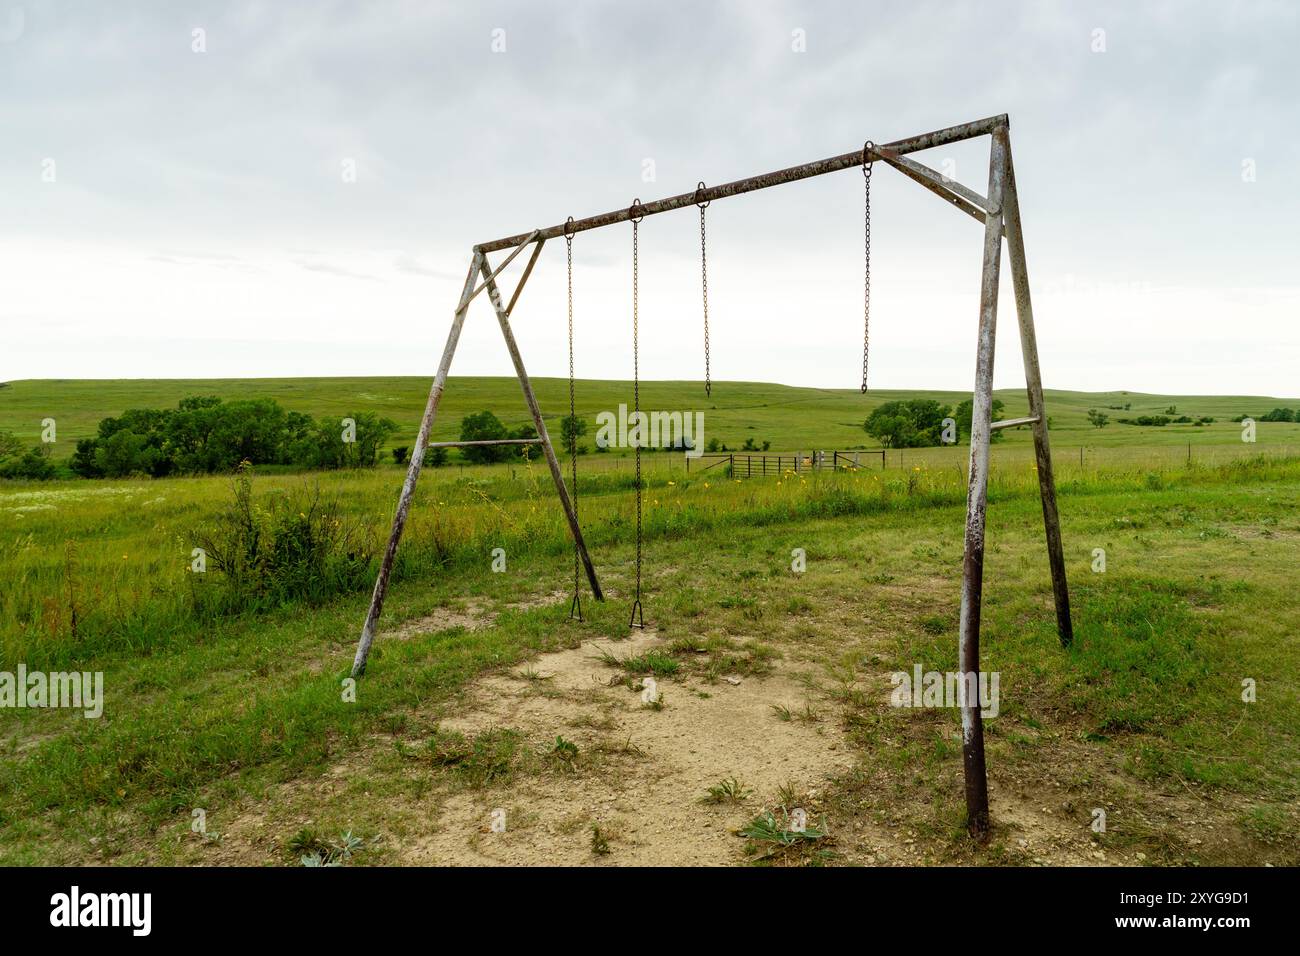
{"x": 413, "y": 474}
{"x": 977, "y": 800}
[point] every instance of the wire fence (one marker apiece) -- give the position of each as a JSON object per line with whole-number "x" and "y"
{"x": 1067, "y": 459}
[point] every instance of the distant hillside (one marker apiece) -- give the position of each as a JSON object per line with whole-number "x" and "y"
{"x": 786, "y": 416}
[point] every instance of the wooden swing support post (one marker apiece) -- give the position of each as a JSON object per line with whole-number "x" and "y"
{"x": 1000, "y": 214}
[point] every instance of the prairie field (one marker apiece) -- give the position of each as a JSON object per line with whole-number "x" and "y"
{"x": 228, "y": 704}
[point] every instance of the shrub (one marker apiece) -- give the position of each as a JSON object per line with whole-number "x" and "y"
{"x": 295, "y": 546}
{"x": 35, "y": 465}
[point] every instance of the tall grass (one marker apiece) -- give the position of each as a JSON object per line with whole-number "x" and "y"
{"x": 96, "y": 571}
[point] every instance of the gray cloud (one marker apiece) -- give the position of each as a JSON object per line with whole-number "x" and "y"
{"x": 1129, "y": 161}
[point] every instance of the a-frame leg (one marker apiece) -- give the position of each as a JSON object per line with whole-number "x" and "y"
{"x": 1034, "y": 385}
{"x": 413, "y": 474}
{"x": 977, "y": 797}
{"x": 539, "y": 423}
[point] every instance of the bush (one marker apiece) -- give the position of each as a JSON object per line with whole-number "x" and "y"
{"x": 35, "y": 465}
{"x": 296, "y": 546}
{"x": 1147, "y": 420}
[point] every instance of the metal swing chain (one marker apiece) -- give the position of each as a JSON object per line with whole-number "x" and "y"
{"x": 704, "y": 284}
{"x": 866, "y": 259}
{"x": 575, "y": 607}
{"x": 638, "y": 613}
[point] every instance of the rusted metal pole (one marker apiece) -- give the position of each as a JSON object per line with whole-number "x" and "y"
{"x": 851, "y": 160}
{"x": 972, "y": 728}
{"x": 540, "y": 424}
{"x": 1034, "y": 385}
{"x": 1015, "y": 422}
{"x": 969, "y": 202}
{"x": 519, "y": 247}
{"x": 528, "y": 270}
{"x": 413, "y": 474}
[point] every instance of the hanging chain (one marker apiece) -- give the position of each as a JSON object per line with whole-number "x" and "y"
{"x": 575, "y": 608}
{"x": 638, "y": 615}
{"x": 704, "y": 284}
{"x": 866, "y": 259}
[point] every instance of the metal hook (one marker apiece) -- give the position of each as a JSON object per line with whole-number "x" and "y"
{"x": 698, "y": 190}
{"x": 636, "y": 211}
{"x": 569, "y": 233}
{"x": 867, "y": 148}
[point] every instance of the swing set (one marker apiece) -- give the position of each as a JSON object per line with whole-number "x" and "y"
{"x": 999, "y": 211}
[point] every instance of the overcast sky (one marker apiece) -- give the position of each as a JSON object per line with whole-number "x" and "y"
{"x": 179, "y": 203}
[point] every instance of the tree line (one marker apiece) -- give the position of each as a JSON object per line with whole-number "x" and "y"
{"x": 206, "y": 434}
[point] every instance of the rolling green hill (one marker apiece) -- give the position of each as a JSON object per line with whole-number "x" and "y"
{"x": 788, "y": 417}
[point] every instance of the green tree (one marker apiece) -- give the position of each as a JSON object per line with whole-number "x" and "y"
{"x": 572, "y": 428}
{"x": 483, "y": 426}
{"x": 1098, "y": 419}
{"x": 10, "y": 446}
{"x": 125, "y": 453}
{"x": 323, "y": 445}
{"x": 965, "y": 414}
{"x": 372, "y": 432}
{"x": 907, "y": 424}
{"x": 83, "y": 460}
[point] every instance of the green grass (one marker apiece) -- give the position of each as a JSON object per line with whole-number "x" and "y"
{"x": 790, "y": 418}
{"x": 209, "y": 711}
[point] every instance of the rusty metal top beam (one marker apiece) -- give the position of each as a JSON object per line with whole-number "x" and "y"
{"x": 850, "y": 160}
